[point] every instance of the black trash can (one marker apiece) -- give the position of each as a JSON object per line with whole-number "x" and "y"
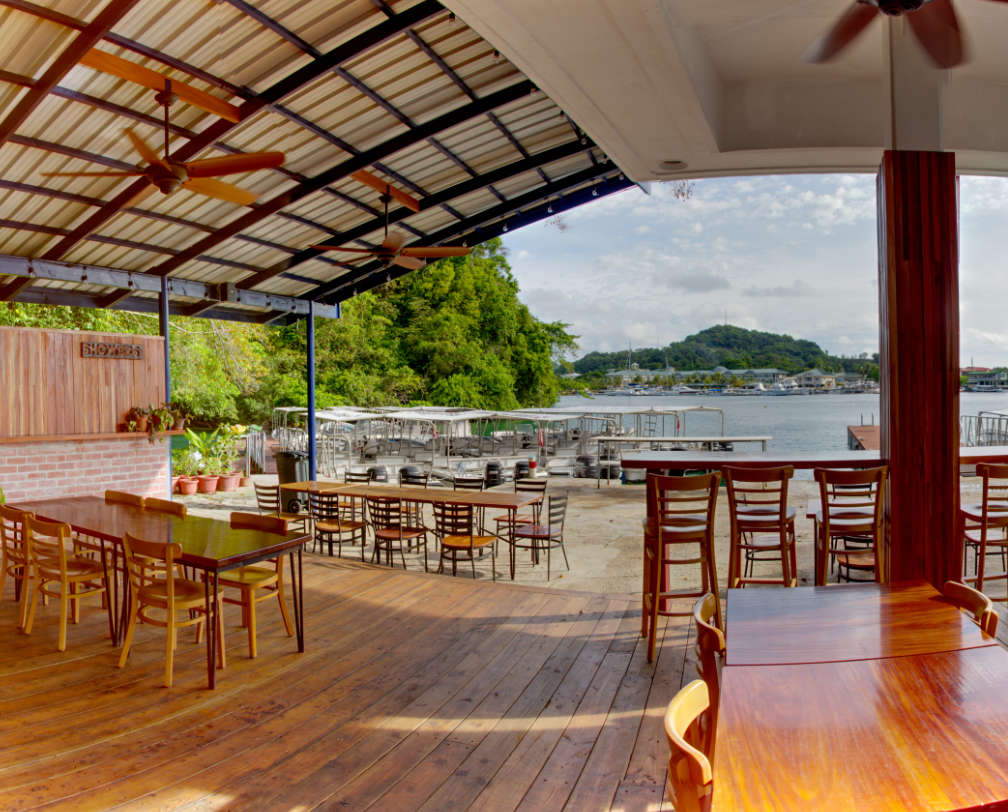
{"x": 292, "y": 466}
{"x": 378, "y": 473}
{"x": 408, "y": 471}
{"x": 522, "y": 470}
{"x": 492, "y": 474}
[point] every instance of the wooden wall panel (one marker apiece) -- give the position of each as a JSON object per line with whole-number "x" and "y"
{"x": 48, "y": 389}
{"x": 919, "y": 353}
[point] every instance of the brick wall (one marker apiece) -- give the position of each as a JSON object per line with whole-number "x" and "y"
{"x": 42, "y": 470}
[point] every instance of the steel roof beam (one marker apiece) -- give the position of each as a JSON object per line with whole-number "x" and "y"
{"x": 292, "y": 82}
{"x": 473, "y": 227}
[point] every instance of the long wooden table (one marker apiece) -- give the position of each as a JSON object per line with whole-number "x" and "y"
{"x": 208, "y": 545}
{"x": 510, "y": 501}
{"x": 880, "y": 698}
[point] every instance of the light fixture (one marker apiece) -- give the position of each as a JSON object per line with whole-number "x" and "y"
{"x": 668, "y": 167}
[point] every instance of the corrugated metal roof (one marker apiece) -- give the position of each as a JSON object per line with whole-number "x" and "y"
{"x": 402, "y": 89}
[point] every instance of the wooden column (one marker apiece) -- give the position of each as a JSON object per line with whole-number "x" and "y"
{"x": 919, "y": 349}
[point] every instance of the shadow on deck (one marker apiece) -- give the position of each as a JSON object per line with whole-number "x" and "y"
{"x": 415, "y": 692}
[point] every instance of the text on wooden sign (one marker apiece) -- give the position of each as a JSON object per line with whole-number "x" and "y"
{"x": 112, "y": 349}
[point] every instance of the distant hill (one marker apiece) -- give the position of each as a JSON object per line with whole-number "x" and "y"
{"x": 728, "y": 346}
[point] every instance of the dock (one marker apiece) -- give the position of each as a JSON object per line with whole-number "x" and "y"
{"x": 866, "y": 438}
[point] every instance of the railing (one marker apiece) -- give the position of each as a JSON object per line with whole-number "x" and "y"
{"x": 255, "y": 451}
{"x": 985, "y": 428}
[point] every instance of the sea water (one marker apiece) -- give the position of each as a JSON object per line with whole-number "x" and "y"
{"x": 811, "y": 423}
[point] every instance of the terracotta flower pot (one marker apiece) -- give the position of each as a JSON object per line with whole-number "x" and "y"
{"x": 245, "y": 482}
{"x": 141, "y": 424}
{"x": 228, "y": 482}
{"x": 208, "y": 483}
{"x": 179, "y": 424}
{"x": 187, "y": 485}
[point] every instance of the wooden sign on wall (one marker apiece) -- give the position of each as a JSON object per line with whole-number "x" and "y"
{"x": 112, "y": 349}
{"x": 49, "y": 387}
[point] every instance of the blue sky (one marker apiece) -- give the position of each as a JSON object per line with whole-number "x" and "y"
{"x": 789, "y": 254}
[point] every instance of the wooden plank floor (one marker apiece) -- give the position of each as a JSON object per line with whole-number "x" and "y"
{"x": 415, "y": 692}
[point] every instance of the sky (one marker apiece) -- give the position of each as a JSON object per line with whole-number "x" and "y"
{"x": 792, "y": 254}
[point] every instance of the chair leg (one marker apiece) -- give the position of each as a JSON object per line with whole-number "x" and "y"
{"x": 128, "y": 638}
{"x": 170, "y": 647}
{"x": 472, "y": 561}
{"x": 282, "y": 598}
{"x": 656, "y": 566}
{"x": 248, "y": 600}
{"x": 64, "y": 601}
{"x": 36, "y": 588}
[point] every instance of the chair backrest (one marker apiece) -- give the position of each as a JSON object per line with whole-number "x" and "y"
{"x": 530, "y": 485}
{"x": 975, "y": 602}
{"x": 46, "y": 542}
{"x": 557, "y": 511}
{"x": 267, "y": 497}
{"x": 407, "y": 478}
{"x": 453, "y": 520}
{"x": 12, "y": 534}
{"x": 384, "y": 511}
{"x": 690, "y": 778}
{"x": 852, "y": 500}
{"x": 165, "y": 506}
{"x": 357, "y": 476}
{"x": 324, "y": 507}
{"x": 682, "y": 502}
{"x": 148, "y": 561}
{"x": 757, "y": 490}
{"x": 994, "y": 480}
{"x": 468, "y": 483}
{"x": 254, "y": 521}
{"x": 710, "y": 650}
{"x": 123, "y": 498}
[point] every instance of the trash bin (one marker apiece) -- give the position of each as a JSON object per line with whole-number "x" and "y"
{"x": 292, "y": 466}
{"x": 492, "y": 474}
{"x": 378, "y": 473}
{"x": 522, "y": 470}
{"x": 408, "y": 471}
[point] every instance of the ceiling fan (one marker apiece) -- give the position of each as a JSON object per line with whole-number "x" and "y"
{"x": 168, "y": 176}
{"x": 933, "y": 22}
{"x": 391, "y": 249}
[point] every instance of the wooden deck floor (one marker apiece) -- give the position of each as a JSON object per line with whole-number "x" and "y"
{"x": 415, "y": 692}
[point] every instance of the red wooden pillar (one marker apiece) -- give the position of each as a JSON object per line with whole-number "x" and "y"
{"x": 919, "y": 356}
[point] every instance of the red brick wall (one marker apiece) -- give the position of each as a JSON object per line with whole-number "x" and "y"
{"x": 41, "y": 470}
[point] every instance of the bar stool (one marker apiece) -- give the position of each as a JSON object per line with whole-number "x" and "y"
{"x": 681, "y": 516}
{"x": 849, "y": 521}
{"x": 757, "y": 503}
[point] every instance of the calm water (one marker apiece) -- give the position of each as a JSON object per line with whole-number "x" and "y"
{"x": 795, "y": 422}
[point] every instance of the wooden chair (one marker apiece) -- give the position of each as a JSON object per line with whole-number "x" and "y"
{"x": 327, "y": 512}
{"x": 710, "y": 652}
{"x": 413, "y": 510}
{"x": 352, "y": 507}
{"x": 545, "y": 536}
{"x": 268, "y": 503}
{"x": 849, "y": 521}
{"x": 975, "y": 602}
{"x": 15, "y": 561}
{"x": 123, "y": 498}
{"x": 390, "y": 530}
{"x": 51, "y": 564}
{"x": 985, "y": 526}
{"x": 155, "y": 585}
{"x": 504, "y": 521}
{"x": 165, "y": 506}
{"x": 455, "y": 526}
{"x": 757, "y": 504}
{"x": 690, "y": 778}
{"x": 473, "y": 483}
{"x": 680, "y": 533}
{"x": 266, "y": 578}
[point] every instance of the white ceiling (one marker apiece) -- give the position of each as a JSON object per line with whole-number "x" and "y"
{"x": 721, "y": 84}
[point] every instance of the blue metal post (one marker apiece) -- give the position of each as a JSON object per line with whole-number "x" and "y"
{"x": 163, "y": 323}
{"x": 310, "y": 325}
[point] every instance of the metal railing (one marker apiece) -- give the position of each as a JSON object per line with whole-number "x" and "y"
{"x": 985, "y": 428}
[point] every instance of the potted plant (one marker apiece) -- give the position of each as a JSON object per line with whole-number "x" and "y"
{"x": 185, "y": 464}
{"x": 204, "y": 448}
{"x": 137, "y": 418}
{"x": 227, "y": 454}
{"x": 161, "y": 419}
{"x": 178, "y": 424}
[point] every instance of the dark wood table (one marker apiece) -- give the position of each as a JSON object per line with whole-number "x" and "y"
{"x": 858, "y": 697}
{"x": 924, "y": 732}
{"x": 209, "y": 545}
{"x": 510, "y": 501}
{"x": 812, "y": 624}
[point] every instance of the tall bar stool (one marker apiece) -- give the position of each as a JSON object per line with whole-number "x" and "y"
{"x": 985, "y": 526}
{"x": 762, "y": 524}
{"x": 682, "y": 520}
{"x": 849, "y": 522}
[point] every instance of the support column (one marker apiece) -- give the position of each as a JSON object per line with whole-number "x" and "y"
{"x": 310, "y": 339}
{"x": 163, "y": 324}
{"x": 919, "y": 358}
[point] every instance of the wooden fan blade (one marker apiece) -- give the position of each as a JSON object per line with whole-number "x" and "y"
{"x": 220, "y": 190}
{"x": 436, "y": 251}
{"x": 937, "y": 30}
{"x": 852, "y": 23}
{"x": 233, "y": 164}
{"x": 108, "y": 174}
{"x": 145, "y": 149}
{"x": 132, "y": 72}
{"x": 376, "y": 183}
{"x": 393, "y": 242}
{"x": 344, "y": 248}
{"x": 408, "y": 262}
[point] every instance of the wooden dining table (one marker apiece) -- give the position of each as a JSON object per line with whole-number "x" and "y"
{"x": 208, "y": 545}
{"x": 859, "y": 697}
{"x": 510, "y": 501}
